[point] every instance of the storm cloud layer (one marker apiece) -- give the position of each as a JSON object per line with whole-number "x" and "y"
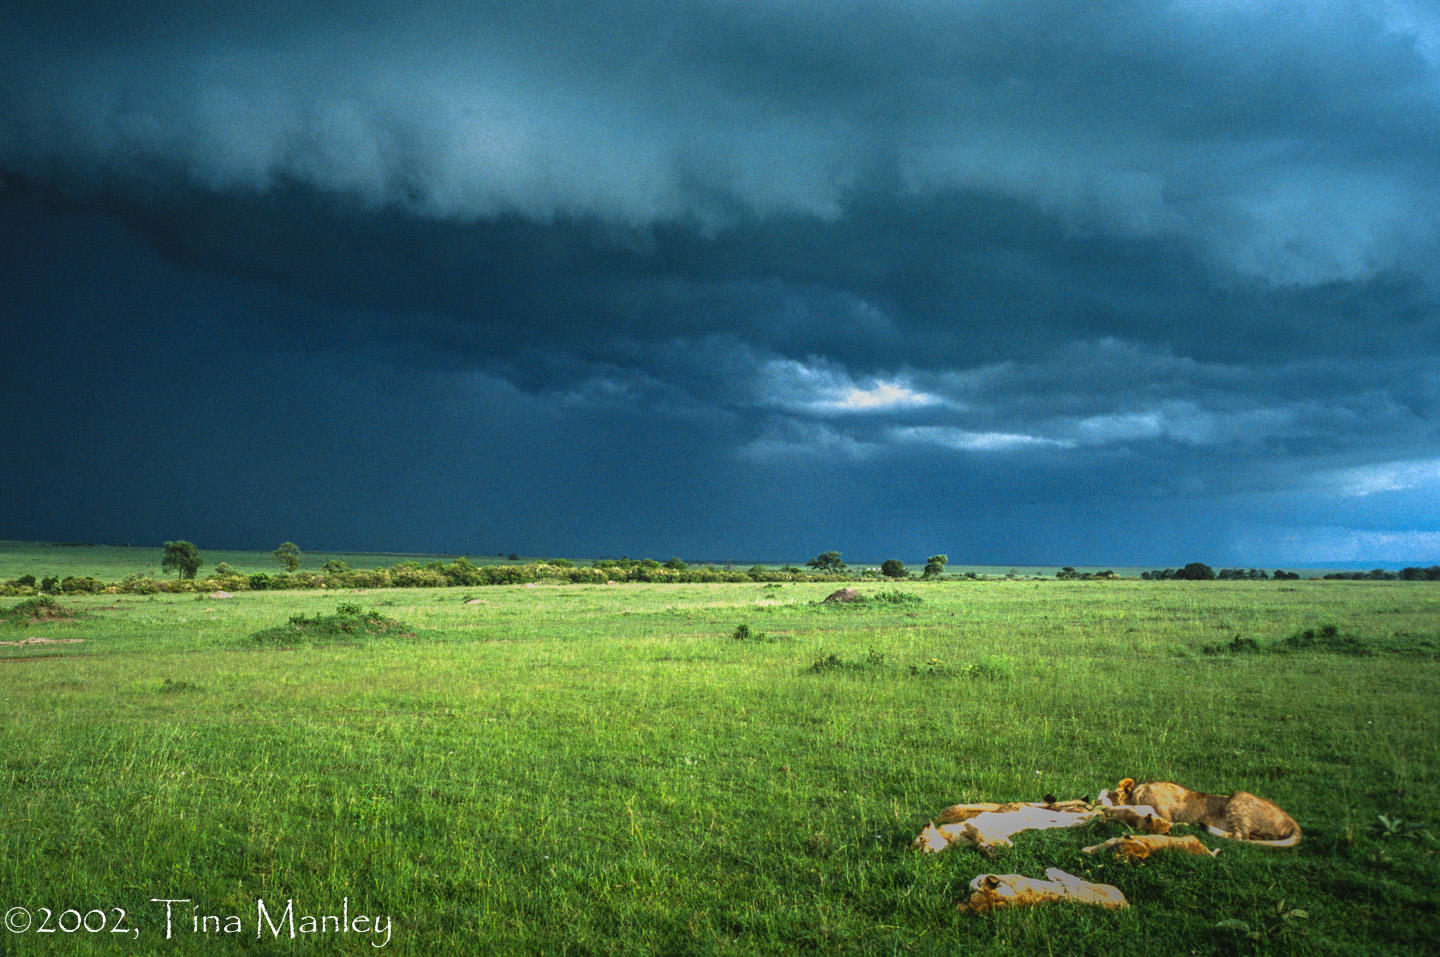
{"x": 1024, "y": 282}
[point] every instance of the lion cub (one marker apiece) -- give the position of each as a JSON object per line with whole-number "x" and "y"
{"x": 1241, "y": 815}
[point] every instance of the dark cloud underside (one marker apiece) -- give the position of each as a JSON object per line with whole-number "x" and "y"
{"x": 1025, "y": 282}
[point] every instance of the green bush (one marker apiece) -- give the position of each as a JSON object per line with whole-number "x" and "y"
{"x": 832, "y": 662}
{"x": 895, "y": 597}
{"x": 37, "y": 609}
{"x": 347, "y": 626}
{"x": 1237, "y": 646}
{"x": 1326, "y": 638}
{"x": 743, "y": 632}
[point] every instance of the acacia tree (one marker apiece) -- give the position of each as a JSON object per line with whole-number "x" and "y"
{"x": 827, "y": 562}
{"x": 892, "y": 568}
{"x": 183, "y": 558}
{"x": 934, "y": 566}
{"x": 288, "y": 555}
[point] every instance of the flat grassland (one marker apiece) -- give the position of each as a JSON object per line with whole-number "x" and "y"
{"x": 606, "y": 769}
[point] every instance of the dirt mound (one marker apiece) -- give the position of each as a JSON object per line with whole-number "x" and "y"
{"x": 844, "y": 594}
{"x": 347, "y": 626}
{"x": 34, "y": 611}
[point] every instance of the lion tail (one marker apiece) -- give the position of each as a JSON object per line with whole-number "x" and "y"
{"x": 1290, "y": 841}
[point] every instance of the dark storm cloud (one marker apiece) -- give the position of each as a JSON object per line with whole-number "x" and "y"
{"x": 1290, "y": 141}
{"x": 1074, "y": 253}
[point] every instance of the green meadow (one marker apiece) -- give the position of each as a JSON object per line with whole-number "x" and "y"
{"x": 609, "y": 769}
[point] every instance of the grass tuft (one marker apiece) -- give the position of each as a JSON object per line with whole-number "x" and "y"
{"x": 826, "y": 663}
{"x": 744, "y": 632}
{"x": 347, "y": 626}
{"x": 896, "y": 597}
{"x": 38, "y": 609}
{"x": 1238, "y": 645}
{"x": 990, "y": 670}
{"x": 1327, "y": 638}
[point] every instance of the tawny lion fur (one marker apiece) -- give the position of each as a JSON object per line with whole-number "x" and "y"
{"x": 1013, "y": 890}
{"x": 964, "y": 812}
{"x": 1145, "y": 819}
{"x": 1137, "y": 847}
{"x": 991, "y": 827}
{"x": 1241, "y": 816}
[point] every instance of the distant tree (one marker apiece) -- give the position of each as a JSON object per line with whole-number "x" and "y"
{"x": 1067, "y": 573}
{"x": 827, "y": 562}
{"x": 512, "y": 557}
{"x": 288, "y": 555}
{"x": 675, "y": 564}
{"x": 183, "y": 558}
{"x": 892, "y": 568}
{"x": 934, "y": 566}
{"x": 334, "y": 567}
{"x": 223, "y": 570}
{"x": 1196, "y": 572}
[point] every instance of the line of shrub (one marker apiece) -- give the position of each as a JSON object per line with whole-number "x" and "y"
{"x": 411, "y": 574}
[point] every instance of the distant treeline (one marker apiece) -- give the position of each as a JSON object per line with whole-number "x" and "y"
{"x": 463, "y": 572}
{"x": 1201, "y": 572}
{"x": 435, "y": 574}
{"x": 1412, "y": 574}
{"x": 1198, "y": 571}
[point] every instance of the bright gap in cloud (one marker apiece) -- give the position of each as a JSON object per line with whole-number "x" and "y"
{"x": 968, "y": 441}
{"x": 882, "y": 396}
{"x": 1386, "y": 477}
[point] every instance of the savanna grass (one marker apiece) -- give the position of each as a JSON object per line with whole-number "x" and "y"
{"x": 593, "y": 769}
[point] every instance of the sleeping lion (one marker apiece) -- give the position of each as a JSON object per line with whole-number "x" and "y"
{"x": 1241, "y": 816}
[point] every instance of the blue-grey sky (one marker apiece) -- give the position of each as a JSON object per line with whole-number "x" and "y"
{"x": 1022, "y": 282}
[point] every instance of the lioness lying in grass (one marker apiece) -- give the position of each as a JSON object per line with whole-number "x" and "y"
{"x": 1241, "y": 816}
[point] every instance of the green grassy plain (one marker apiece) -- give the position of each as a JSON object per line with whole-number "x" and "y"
{"x": 604, "y": 769}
